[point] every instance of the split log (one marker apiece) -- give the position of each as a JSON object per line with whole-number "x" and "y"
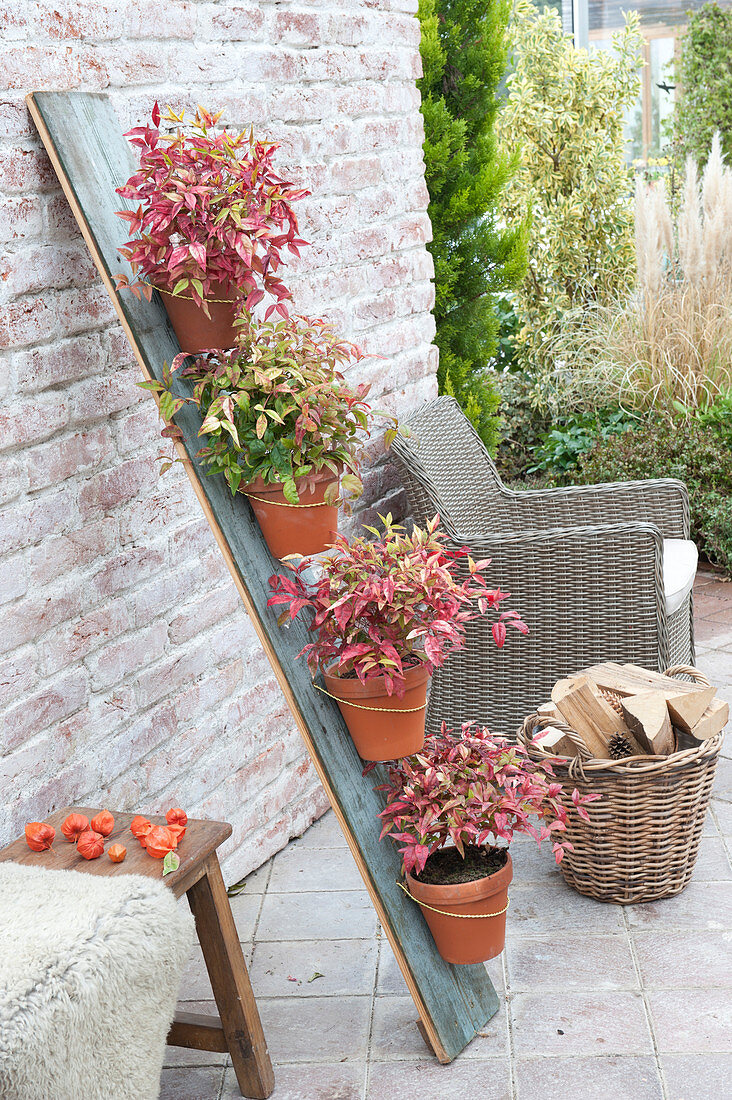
{"x": 713, "y": 720}
{"x": 557, "y": 743}
{"x": 687, "y": 708}
{"x": 588, "y": 714}
{"x": 548, "y": 710}
{"x": 648, "y": 717}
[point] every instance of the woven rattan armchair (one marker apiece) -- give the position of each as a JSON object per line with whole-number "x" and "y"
{"x": 584, "y": 566}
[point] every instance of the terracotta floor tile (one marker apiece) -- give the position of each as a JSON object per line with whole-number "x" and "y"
{"x": 579, "y": 962}
{"x": 701, "y": 906}
{"x": 692, "y": 1021}
{"x": 630, "y": 1078}
{"x": 579, "y": 1023}
{"x": 345, "y": 967}
{"x": 712, "y": 634}
{"x": 683, "y": 960}
{"x": 322, "y": 1029}
{"x": 317, "y": 916}
{"x": 304, "y": 1082}
{"x": 697, "y": 1076}
{"x": 298, "y": 869}
{"x": 461, "y": 1080}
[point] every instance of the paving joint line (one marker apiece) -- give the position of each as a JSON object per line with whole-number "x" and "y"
{"x": 646, "y": 1008}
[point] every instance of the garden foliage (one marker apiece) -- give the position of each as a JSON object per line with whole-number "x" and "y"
{"x": 697, "y": 453}
{"x": 472, "y": 789}
{"x": 704, "y": 75}
{"x": 384, "y": 604}
{"x": 476, "y": 258}
{"x": 564, "y": 113}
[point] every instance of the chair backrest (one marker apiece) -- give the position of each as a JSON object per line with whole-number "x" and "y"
{"x": 447, "y": 469}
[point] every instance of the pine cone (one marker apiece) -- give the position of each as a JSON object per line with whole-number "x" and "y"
{"x": 619, "y": 747}
{"x": 614, "y": 700}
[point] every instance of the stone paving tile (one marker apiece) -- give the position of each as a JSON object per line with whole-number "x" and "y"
{"x": 711, "y": 632}
{"x": 324, "y": 833}
{"x": 394, "y": 1034}
{"x": 256, "y": 883}
{"x": 580, "y": 962}
{"x": 723, "y": 813}
{"x": 717, "y": 665}
{"x": 304, "y": 1082}
{"x": 702, "y": 905}
{"x": 193, "y": 1083}
{"x": 552, "y": 907}
{"x": 697, "y": 1076}
{"x": 245, "y": 908}
{"x": 391, "y": 983}
{"x": 682, "y": 960}
{"x": 712, "y": 862}
{"x": 461, "y": 1080}
{"x": 723, "y": 779}
{"x": 532, "y": 863}
{"x": 629, "y": 1078}
{"x": 298, "y": 869}
{"x": 323, "y": 1029}
{"x": 579, "y": 1023}
{"x": 345, "y": 966}
{"x": 692, "y": 1021}
{"x": 317, "y": 916}
{"x": 195, "y": 984}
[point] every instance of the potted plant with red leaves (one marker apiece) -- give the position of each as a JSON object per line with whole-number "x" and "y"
{"x": 386, "y": 612}
{"x": 448, "y": 806}
{"x": 282, "y": 425}
{"x": 211, "y": 223}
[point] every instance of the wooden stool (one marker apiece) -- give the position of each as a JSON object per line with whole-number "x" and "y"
{"x": 238, "y": 1029}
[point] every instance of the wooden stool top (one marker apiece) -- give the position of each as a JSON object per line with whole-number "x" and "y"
{"x": 201, "y": 839}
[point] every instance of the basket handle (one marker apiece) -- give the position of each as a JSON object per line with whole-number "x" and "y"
{"x": 689, "y": 670}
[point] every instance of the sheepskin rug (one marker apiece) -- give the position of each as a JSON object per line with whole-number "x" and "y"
{"x": 89, "y": 974}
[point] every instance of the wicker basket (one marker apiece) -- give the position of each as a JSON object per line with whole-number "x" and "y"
{"x": 644, "y": 834}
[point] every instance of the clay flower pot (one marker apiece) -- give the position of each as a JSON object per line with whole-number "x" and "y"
{"x": 193, "y": 329}
{"x": 471, "y": 940}
{"x": 392, "y": 730}
{"x": 305, "y": 528}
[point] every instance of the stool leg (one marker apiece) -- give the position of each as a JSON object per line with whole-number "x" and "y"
{"x": 230, "y": 982}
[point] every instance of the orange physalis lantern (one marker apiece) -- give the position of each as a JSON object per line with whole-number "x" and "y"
{"x": 74, "y": 826}
{"x": 159, "y": 841}
{"x": 103, "y": 823}
{"x": 90, "y": 844}
{"x": 178, "y": 831}
{"x": 176, "y": 816}
{"x": 39, "y": 836}
{"x": 117, "y": 852}
{"x": 140, "y": 827}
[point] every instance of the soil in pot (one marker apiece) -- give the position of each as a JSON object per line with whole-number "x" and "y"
{"x": 383, "y": 727}
{"x": 467, "y": 917}
{"x": 193, "y": 329}
{"x": 307, "y": 528}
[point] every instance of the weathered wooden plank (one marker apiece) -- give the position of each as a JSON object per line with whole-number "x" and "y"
{"x": 84, "y": 140}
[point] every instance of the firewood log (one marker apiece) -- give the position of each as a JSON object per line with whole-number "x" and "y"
{"x": 648, "y": 717}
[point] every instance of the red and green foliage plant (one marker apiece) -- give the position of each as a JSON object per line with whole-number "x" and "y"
{"x": 211, "y": 213}
{"x": 473, "y": 789}
{"x": 383, "y": 605}
{"x": 278, "y": 407}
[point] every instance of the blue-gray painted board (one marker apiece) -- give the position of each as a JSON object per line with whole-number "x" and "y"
{"x": 91, "y": 157}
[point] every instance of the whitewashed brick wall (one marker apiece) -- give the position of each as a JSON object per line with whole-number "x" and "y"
{"x": 129, "y": 673}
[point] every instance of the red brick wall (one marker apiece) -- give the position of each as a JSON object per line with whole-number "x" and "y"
{"x": 129, "y": 673}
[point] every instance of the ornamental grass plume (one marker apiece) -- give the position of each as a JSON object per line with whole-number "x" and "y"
{"x": 669, "y": 344}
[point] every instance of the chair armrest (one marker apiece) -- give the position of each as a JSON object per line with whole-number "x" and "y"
{"x": 661, "y": 501}
{"x": 596, "y": 590}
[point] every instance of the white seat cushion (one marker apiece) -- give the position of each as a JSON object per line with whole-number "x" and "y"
{"x": 680, "y": 557}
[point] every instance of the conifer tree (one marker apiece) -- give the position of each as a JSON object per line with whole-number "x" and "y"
{"x": 464, "y": 56}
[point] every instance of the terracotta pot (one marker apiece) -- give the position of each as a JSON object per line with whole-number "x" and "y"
{"x": 304, "y": 529}
{"x": 193, "y": 329}
{"x": 378, "y": 735}
{"x": 459, "y": 940}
